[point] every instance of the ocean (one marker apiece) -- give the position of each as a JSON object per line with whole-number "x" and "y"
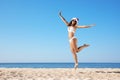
{"x": 59, "y": 65}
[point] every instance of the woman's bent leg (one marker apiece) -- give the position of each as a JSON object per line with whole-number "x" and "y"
{"x": 82, "y": 47}
{"x": 78, "y": 49}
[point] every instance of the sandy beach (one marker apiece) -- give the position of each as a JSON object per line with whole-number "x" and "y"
{"x": 59, "y": 74}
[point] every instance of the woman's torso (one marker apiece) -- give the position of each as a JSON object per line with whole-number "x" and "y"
{"x": 71, "y": 31}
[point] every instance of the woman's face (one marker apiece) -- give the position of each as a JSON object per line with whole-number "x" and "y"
{"x": 74, "y": 22}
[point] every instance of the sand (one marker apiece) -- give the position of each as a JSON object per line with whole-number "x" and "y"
{"x": 59, "y": 74}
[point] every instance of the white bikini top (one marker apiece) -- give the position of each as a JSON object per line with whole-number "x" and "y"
{"x": 71, "y": 29}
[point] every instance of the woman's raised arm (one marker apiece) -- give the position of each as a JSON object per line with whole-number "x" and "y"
{"x": 63, "y": 19}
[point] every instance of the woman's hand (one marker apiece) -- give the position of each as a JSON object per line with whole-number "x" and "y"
{"x": 92, "y": 25}
{"x": 60, "y": 14}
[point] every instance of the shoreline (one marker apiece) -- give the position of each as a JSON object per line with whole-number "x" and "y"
{"x": 59, "y": 74}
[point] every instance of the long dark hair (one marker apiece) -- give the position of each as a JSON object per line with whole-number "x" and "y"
{"x": 70, "y": 23}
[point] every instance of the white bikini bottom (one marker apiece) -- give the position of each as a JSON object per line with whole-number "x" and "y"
{"x": 72, "y": 39}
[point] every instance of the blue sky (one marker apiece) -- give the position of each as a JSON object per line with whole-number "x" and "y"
{"x": 31, "y": 31}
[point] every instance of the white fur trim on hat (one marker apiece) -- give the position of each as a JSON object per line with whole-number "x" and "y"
{"x": 76, "y": 19}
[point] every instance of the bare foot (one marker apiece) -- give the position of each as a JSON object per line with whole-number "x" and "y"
{"x": 76, "y": 66}
{"x": 86, "y": 45}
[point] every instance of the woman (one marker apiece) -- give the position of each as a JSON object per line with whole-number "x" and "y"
{"x": 72, "y": 26}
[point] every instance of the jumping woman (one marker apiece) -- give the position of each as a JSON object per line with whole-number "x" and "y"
{"x": 72, "y": 26}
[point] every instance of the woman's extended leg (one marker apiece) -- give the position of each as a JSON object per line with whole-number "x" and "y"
{"x": 75, "y": 59}
{"x": 74, "y": 55}
{"x": 75, "y": 45}
{"x": 73, "y": 49}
